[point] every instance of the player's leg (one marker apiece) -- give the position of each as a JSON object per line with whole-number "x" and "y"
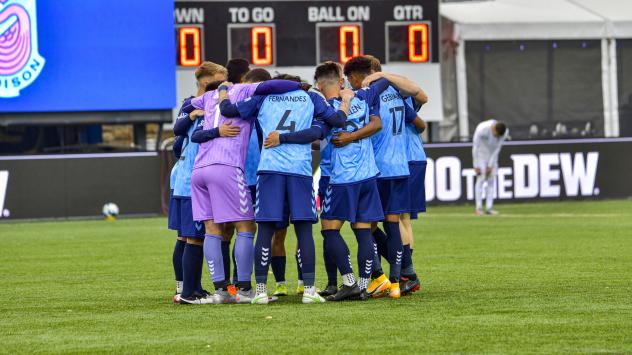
{"x": 478, "y": 192}
{"x": 302, "y": 205}
{"x": 408, "y": 280}
{"x": 339, "y": 251}
{"x": 489, "y": 193}
{"x": 178, "y": 251}
{"x": 227, "y": 236}
{"x": 173, "y": 223}
{"x": 368, "y": 210}
{"x": 244, "y": 258}
{"x": 324, "y": 194}
{"x": 279, "y": 262}
{"x": 193, "y": 256}
{"x": 214, "y": 259}
{"x": 271, "y": 196}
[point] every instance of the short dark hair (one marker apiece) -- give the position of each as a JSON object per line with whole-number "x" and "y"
{"x": 327, "y": 70}
{"x": 213, "y": 85}
{"x": 359, "y": 65}
{"x": 376, "y": 65}
{"x": 257, "y": 75}
{"x": 500, "y": 128}
{"x": 289, "y": 77}
{"x": 237, "y": 67}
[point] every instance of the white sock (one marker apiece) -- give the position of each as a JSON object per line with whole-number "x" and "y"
{"x": 310, "y": 290}
{"x": 261, "y": 288}
{"x": 490, "y": 193}
{"x": 348, "y": 279}
{"x": 300, "y": 282}
{"x": 363, "y": 283}
{"x": 478, "y": 191}
{"x": 179, "y": 286}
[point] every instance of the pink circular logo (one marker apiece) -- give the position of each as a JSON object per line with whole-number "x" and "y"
{"x": 15, "y": 39}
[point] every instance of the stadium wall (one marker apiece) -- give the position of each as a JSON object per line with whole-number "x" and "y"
{"x": 573, "y": 169}
{"x": 78, "y": 185}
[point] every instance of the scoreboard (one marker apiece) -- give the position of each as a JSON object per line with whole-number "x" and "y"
{"x": 295, "y": 36}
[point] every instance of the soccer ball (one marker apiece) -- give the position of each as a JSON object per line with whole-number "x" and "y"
{"x": 110, "y": 211}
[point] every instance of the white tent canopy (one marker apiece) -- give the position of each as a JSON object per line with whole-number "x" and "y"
{"x": 542, "y": 20}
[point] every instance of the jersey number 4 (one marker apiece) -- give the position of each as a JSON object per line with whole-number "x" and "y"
{"x": 397, "y": 113}
{"x": 282, "y": 126}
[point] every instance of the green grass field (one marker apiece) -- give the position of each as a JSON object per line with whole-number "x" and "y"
{"x": 540, "y": 278}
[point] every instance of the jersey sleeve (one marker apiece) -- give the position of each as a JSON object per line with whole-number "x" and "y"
{"x": 250, "y": 106}
{"x": 277, "y": 87}
{"x": 371, "y": 94}
{"x": 410, "y": 114}
{"x": 324, "y": 112}
{"x": 196, "y": 102}
{"x": 374, "y": 110}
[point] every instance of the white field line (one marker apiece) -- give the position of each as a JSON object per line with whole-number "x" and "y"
{"x": 529, "y": 215}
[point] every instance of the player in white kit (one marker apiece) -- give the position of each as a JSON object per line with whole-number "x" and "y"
{"x": 488, "y": 139}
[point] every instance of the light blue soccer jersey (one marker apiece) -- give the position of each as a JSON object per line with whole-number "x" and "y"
{"x": 252, "y": 159}
{"x": 174, "y": 174}
{"x": 288, "y": 112}
{"x": 325, "y": 155}
{"x": 390, "y": 144}
{"x": 355, "y": 161}
{"x": 182, "y": 185}
{"x": 416, "y": 150}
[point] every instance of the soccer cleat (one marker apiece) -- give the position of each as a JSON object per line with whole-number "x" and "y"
{"x": 378, "y": 287}
{"x": 260, "y": 298}
{"x": 363, "y": 296}
{"x": 281, "y": 290}
{"x": 345, "y": 293}
{"x": 186, "y": 300}
{"x": 479, "y": 212}
{"x": 272, "y": 299}
{"x": 222, "y": 297}
{"x": 245, "y": 296}
{"x": 329, "y": 291}
{"x": 394, "y": 291}
{"x": 491, "y": 212}
{"x": 176, "y": 298}
{"x": 202, "y": 294}
{"x": 300, "y": 289}
{"x": 313, "y": 298}
{"x": 232, "y": 290}
{"x": 408, "y": 286}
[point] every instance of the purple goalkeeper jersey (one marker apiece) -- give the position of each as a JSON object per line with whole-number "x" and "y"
{"x": 229, "y": 151}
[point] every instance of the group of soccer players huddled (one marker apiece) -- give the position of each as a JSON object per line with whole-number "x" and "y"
{"x": 244, "y": 166}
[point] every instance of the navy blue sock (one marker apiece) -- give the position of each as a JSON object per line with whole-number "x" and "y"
{"x": 395, "y": 249}
{"x": 306, "y": 252}
{"x": 226, "y": 259}
{"x": 365, "y": 251}
{"x": 407, "y": 262}
{"x": 192, "y": 259}
{"x": 338, "y": 250}
{"x": 262, "y": 251}
{"x": 330, "y": 266}
{"x": 278, "y": 268}
{"x": 380, "y": 239}
{"x": 235, "y": 277}
{"x": 178, "y": 250}
{"x": 299, "y": 270}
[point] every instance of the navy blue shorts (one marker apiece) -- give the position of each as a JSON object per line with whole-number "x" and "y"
{"x": 417, "y": 186}
{"x": 278, "y": 194}
{"x": 286, "y": 214}
{"x": 394, "y": 195}
{"x": 181, "y": 218}
{"x": 358, "y": 202}
{"x": 322, "y": 186}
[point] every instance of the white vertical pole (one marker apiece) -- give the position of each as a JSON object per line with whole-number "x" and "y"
{"x": 461, "y": 94}
{"x": 605, "y": 86}
{"x": 614, "y": 89}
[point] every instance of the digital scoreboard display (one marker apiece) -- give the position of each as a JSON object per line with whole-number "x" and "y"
{"x": 305, "y": 33}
